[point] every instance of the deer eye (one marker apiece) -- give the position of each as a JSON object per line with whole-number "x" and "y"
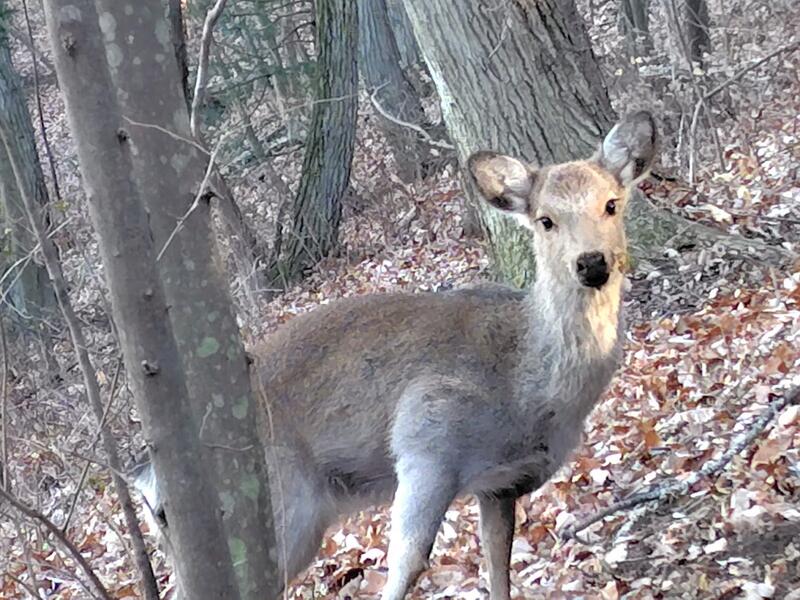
{"x": 546, "y": 222}
{"x": 611, "y": 207}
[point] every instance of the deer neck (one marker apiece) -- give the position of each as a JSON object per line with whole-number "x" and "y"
{"x": 571, "y": 348}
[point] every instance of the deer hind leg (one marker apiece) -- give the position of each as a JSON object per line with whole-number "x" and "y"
{"x": 423, "y": 494}
{"x": 302, "y": 511}
{"x": 497, "y": 534}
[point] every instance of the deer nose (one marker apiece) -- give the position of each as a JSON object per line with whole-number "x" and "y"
{"x": 592, "y": 269}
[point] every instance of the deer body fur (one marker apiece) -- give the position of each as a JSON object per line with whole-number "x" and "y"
{"x": 421, "y": 398}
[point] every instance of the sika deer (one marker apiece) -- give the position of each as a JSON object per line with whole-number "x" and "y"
{"x": 478, "y": 391}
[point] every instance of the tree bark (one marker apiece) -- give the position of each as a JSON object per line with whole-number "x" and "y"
{"x": 330, "y": 143}
{"x": 379, "y": 62}
{"x": 178, "y": 33}
{"x": 522, "y": 80}
{"x": 139, "y": 305}
{"x": 169, "y": 173}
{"x": 403, "y": 33}
{"x": 32, "y": 294}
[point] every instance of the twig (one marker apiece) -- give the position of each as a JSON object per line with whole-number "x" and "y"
{"x": 171, "y": 134}
{"x": 40, "y": 111}
{"x": 684, "y": 46}
{"x": 425, "y": 136}
{"x": 674, "y": 487}
{"x": 102, "y": 424}
{"x": 212, "y": 17}
{"x": 742, "y": 72}
{"x": 23, "y": 261}
{"x": 736, "y": 77}
{"x": 4, "y": 408}
{"x": 32, "y": 592}
{"x": 201, "y": 193}
{"x": 59, "y": 535}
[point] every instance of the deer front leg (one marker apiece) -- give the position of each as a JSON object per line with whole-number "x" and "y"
{"x": 423, "y": 494}
{"x": 497, "y": 533}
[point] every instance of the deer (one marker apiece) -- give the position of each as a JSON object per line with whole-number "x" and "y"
{"x": 421, "y": 398}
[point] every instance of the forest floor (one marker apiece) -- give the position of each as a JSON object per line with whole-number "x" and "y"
{"x": 712, "y": 340}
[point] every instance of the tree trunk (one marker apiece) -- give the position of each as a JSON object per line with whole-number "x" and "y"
{"x": 634, "y": 24}
{"x": 169, "y": 174}
{"x": 32, "y": 293}
{"x": 330, "y": 143}
{"x": 697, "y": 24}
{"x": 379, "y": 63}
{"x": 403, "y": 33}
{"x": 178, "y": 36}
{"x": 140, "y": 308}
{"x": 523, "y": 81}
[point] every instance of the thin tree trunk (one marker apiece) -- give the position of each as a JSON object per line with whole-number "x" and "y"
{"x": 330, "y": 143}
{"x": 169, "y": 173}
{"x": 33, "y": 294}
{"x": 140, "y": 308}
{"x": 147, "y": 583}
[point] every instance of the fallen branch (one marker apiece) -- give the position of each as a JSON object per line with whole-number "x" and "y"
{"x": 673, "y": 488}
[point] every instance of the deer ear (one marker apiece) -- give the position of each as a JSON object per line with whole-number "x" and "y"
{"x": 629, "y": 149}
{"x": 505, "y": 182}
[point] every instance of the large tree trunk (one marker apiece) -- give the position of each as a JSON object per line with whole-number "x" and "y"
{"x": 329, "y": 145}
{"x": 523, "y": 81}
{"x": 32, "y": 294}
{"x": 169, "y": 174}
{"x": 140, "y": 308}
{"x": 403, "y": 33}
{"x": 379, "y": 64}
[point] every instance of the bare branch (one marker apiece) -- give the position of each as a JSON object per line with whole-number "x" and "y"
{"x": 742, "y": 72}
{"x": 424, "y": 134}
{"x": 97, "y": 434}
{"x": 673, "y": 487}
{"x": 212, "y": 17}
{"x": 201, "y": 192}
{"x": 59, "y": 535}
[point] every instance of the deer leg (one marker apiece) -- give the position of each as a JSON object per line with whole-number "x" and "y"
{"x": 301, "y": 510}
{"x": 497, "y": 533}
{"x": 423, "y": 494}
